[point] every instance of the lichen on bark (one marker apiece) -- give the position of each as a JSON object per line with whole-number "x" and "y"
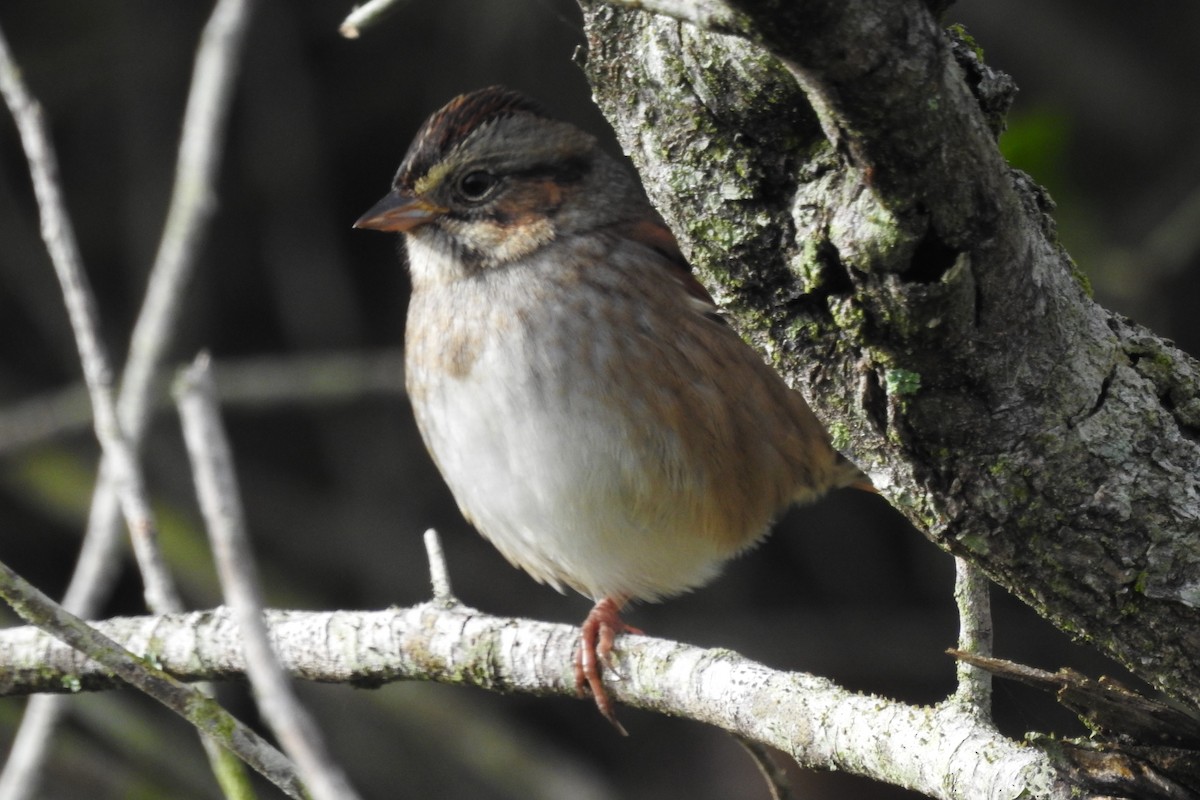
{"x": 835, "y": 180}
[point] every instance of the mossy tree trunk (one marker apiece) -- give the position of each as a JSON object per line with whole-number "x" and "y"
{"x": 832, "y": 171}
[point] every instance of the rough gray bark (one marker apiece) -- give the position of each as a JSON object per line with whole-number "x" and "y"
{"x": 833, "y": 175}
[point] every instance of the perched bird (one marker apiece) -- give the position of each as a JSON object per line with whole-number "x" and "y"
{"x": 590, "y": 410}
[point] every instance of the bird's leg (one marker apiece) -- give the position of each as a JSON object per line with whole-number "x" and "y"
{"x": 596, "y": 638}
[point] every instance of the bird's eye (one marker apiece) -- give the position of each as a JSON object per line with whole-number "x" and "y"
{"x": 475, "y": 186}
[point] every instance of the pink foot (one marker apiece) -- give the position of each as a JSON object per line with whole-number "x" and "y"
{"x": 601, "y": 627}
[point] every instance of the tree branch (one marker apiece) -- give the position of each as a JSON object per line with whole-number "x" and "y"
{"x": 975, "y": 635}
{"x": 121, "y": 421}
{"x": 247, "y": 383}
{"x": 191, "y": 209}
{"x": 941, "y": 751}
{"x": 834, "y": 178}
{"x": 220, "y": 502}
{"x": 118, "y": 663}
{"x": 59, "y": 235}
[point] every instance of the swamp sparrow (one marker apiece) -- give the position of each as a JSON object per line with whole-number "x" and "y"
{"x": 590, "y": 410}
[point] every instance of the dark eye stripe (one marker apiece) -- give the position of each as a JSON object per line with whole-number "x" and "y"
{"x": 570, "y": 171}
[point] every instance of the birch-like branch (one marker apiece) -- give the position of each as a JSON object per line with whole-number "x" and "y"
{"x": 221, "y": 504}
{"x": 942, "y": 750}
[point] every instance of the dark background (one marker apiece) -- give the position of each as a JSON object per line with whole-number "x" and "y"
{"x": 338, "y": 494}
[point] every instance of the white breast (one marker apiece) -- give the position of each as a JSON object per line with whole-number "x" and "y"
{"x": 532, "y": 444}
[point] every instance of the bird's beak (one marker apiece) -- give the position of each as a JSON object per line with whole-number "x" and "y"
{"x": 399, "y": 211}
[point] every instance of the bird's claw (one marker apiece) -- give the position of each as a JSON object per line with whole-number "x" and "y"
{"x": 596, "y": 639}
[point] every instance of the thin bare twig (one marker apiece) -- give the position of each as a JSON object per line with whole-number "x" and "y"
{"x": 709, "y": 15}
{"x": 37, "y": 609}
{"x": 259, "y": 382}
{"x": 778, "y": 783}
{"x": 975, "y": 635}
{"x": 59, "y": 237}
{"x": 365, "y": 16}
{"x": 191, "y": 207}
{"x": 193, "y": 203}
{"x": 216, "y": 486}
{"x": 439, "y": 574}
{"x": 190, "y": 211}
